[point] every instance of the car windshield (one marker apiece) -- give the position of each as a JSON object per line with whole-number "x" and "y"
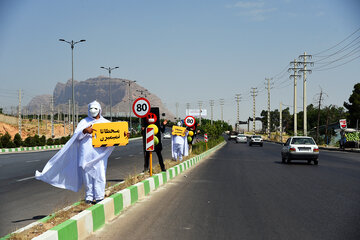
{"x": 241, "y": 135}
{"x": 256, "y": 136}
{"x": 303, "y": 141}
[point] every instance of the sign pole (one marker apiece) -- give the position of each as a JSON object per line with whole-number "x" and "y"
{"x": 150, "y": 159}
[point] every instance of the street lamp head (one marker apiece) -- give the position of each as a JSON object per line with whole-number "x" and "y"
{"x": 82, "y": 40}
{"x": 103, "y": 67}
{"x": 62, "y": 40}
{"x": 116, "y": 67}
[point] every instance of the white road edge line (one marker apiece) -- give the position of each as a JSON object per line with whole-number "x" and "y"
{"x": 33, "y": 161}
{"x": 24, "y": 179}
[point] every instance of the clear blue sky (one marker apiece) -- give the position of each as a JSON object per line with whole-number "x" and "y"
{"x": 183, "y": 51}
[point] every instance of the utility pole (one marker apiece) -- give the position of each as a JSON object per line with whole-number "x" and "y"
{"x": 268, "y": 114}
{"x": 52, "y": 117}
{"x": 280, "y": 122}
{"x": 200, "y": 106}
{"x": 177, "y": 110}
{"x": 38, "y": 118}
{"x": 254, "y": 94}
{"x": 19, "y": 112}
{"x": 304, "y": 71}
{"x": 187, "y": 108}
{"x": 212, "y": 108}
{"x": 58, "y": 110}
{"x": 237, "y": 100}
{"x": 295, "y": 75}
{"x": 318, "y": 120}
{"x": 41, "y": 116}
{"x": 110, "y": 100}
{"x": 222, "y": 101}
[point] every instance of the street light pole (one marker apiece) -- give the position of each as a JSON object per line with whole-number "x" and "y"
{"x": 109, "y": 70}
{"x": 72, "y": 44}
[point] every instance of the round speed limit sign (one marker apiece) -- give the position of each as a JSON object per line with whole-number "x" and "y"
{"x": 189, "y": 121}
{"x": 141, "y": 107}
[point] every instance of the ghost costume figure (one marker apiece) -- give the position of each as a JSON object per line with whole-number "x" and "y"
{"x": 78, "y": 161}
{"x": 179, "y": 146}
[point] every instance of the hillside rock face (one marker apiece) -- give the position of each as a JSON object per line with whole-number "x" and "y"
{"x": 97, "y": 89}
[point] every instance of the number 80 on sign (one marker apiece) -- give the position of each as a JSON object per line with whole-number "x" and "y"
{"x": 141, "y": 107}
{"x": 189, "y": 121}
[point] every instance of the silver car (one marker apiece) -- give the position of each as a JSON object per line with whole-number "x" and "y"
{"x": 241, "y": 138}
{"x": 300, "y": 148}
{"x": 256, "y": 140}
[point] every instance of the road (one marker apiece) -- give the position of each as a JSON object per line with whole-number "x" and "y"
{"x": 243, "y": 192}
{"x": 25, "y": 199}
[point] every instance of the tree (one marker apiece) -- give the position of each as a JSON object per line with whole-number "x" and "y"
{"x": 6, "y": 140}
{"x": 17, "y": 140}
{"x": 354, "y": 106}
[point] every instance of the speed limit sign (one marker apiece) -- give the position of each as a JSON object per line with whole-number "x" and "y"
{"x": 141, "y": 107}
{"x": 189, "y": 121}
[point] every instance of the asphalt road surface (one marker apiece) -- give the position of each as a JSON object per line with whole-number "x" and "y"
{"x": 243, "y": 192}
{"x": 23, "y": 199}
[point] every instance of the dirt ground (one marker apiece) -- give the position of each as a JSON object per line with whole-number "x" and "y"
{"x": 30, "y": 128}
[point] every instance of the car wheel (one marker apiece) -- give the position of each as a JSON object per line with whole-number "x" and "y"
{"x": 309, "y": 161}
{"x": 288, "y": 160}
{"x": 316, "y": 162}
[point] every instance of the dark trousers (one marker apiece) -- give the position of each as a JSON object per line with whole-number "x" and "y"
{"x": 160, "y": 158}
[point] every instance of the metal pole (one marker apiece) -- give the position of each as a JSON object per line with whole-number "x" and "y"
{"x": 304, "y": 96}
{"x": 19, "y": 112}
{"x": 281, "y": 128}
{"x": 72, "y": 84}
{"x": 295, "y": 98}
{"x": 52, "y": 117}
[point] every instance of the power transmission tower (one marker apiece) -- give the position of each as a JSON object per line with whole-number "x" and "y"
{"x": 237, "y": 100}
{"x": 304, "y": 71}
{"x": 19, "y": 112}
{"x": 295, "y": 75}
{"x": 212, "y": 108}
{"x": 268, "y": 114}
{"x": 254, "y": 94}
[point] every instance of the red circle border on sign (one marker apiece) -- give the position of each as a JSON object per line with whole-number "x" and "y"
{"x": 133, "y": 107}
{"x": 187, "y": 118}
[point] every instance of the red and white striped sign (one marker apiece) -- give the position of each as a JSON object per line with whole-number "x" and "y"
{"x": 149, "y": 139}
{"x": 205, "y": 137}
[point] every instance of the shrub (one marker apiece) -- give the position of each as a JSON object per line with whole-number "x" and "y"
{"x": 50, "y": 141}
{"x": 42, "y": 140}
{"x": 17, "y": 140}
{"x": 6, "y": 140}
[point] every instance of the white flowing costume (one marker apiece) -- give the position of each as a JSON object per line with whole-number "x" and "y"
{"x": 179, "y": 147}
{"x": 79, "y": 161}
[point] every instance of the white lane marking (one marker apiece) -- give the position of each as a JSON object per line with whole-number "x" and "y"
{"x": 33, "y": 161}
{"x": 24, "y": 179}
{"x": 118, "y": 158}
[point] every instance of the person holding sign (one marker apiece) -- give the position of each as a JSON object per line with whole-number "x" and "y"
{"x": 179, "y": 143}
{"x": 79, "y": 162}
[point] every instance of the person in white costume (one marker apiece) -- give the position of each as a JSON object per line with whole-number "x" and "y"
{"x": 79, "y": 162}
{"x": 179, "y": 146}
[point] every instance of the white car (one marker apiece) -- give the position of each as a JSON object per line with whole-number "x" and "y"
{"x": 256, "y": 140}
{"x": 300, "y": 148}
{"x": 167, "y": 135}
{"x": 241, "y": 138}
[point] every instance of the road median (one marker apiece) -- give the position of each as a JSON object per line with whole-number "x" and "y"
{"x": 95, "y": 217}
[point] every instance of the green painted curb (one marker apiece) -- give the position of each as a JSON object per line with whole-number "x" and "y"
{"x": 98, "y": 215}
{"x": 133, "y": 193}
{"x": 67, "y": 230}
{"x": 118, "y": 203}
{"x": 146, "y": 187}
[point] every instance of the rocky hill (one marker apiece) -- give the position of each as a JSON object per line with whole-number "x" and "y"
{"x": 97, "y": 89}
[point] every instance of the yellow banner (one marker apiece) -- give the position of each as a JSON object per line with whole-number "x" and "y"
{"x": 110, "y": 134}
{"x": 179, "y": 131}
